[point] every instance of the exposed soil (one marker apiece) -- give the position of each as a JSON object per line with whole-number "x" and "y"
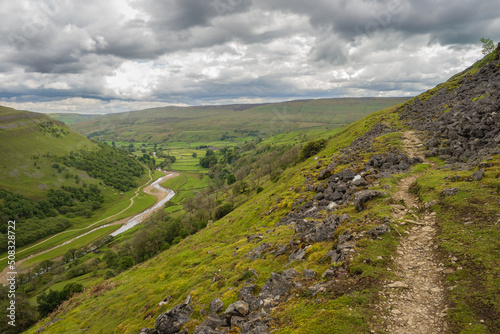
{"x": 416, "y": 303}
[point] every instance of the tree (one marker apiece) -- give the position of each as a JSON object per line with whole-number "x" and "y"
{"x": 25, "y": 313}
{"x": 44, "y": 266}
{"x": 231, "y": 179}
{"x": 223, "y": 210}
{"x": 488, "y": 46}
{"x": 48, "y": 302}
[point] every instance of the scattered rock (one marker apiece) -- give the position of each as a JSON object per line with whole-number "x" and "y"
{"x": 255, "y": 253}
{"x": 276, "y": 285}
{"x": 171, "y": 321}
{"x": 254, "y": 236}
{"x": 397, "y": 284}
{"x": 212, "y": 321}
{"x": 329, "y": 273}
{"x": 216, "y": 305}
{"x": 204, "y": 330}
{"x": 363, "y": 196}
{"x": 478, "y": 176}
{"x": 320, "y": 287}
{"x": 238, "y": 308}
{"x": 427, "y": 205}
{"x": 297, "y": 255}
{"x": 289, "y": 274}
{"x": 282, "y": 249}
{"x": 450, "y": 191}
{"x": 309, "y": 273}
{"x": 379, "y": 230}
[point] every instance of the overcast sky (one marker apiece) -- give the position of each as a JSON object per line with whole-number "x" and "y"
{"x": 99, "y": 56}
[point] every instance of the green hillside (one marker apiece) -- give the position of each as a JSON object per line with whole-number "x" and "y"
{"x": 400, "y": 207}
{"x": 209, "y": 123}
{"x": 54, "y": 180}
{"x": 29, "y": 142}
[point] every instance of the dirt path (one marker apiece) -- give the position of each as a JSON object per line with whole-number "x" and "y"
{"x": 414, "y": 304}
{"x": 149, "y": 189}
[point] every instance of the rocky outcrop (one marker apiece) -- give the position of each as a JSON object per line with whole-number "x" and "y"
{"x": 171, "y": 322}
{"x": 462, "y": 117}
{"x": 361, "y": 197}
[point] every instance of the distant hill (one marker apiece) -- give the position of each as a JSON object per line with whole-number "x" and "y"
{"x": 206, "y": 123}
{"x": 70, "y": 118}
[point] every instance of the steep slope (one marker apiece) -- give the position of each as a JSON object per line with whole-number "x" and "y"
{"x": 323, "y": 250}
{"x": 54, "y": 179}
{"x": 25, "y": 137}
{"x": 208, "y": 123}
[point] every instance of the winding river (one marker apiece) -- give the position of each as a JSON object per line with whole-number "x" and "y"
{"x": 162, "y": 194}
{"x": 137, "y": 219}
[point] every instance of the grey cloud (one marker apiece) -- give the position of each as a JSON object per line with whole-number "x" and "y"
{"x": 220, "y": 50}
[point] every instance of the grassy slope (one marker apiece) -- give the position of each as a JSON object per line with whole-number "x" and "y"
{"x": 190, "y": 266}
{"x": 129, "y": 301}
{"x": 210, "y": 122}
{"x": 203, "y": 265}
{"x": 21, "y": 139}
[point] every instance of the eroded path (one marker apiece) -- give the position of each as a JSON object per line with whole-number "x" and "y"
{"x": 416, "y": 302}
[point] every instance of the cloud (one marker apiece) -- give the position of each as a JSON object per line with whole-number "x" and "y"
{"x": 220, "y": 51}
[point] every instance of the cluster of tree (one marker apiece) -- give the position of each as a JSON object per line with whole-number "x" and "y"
{"x": 209, "y": 160}
{"x": 38, "y": 219}
{"x": 48, "y": 302}
{"x": 25, "y": 314}
{"x": 148, "y": 161}
{"x": 227, "y": 136}
{"x": 51, "y": 128}
{"x": 99, "y": 133}
{"x": 488, "y": 46}
{"x": 78, "y": 200}
{"x": 251, "y": 133}
{"x": 33, "y": 229}
{"x": 311, "y": 148}
{"x": 115, "y": 167}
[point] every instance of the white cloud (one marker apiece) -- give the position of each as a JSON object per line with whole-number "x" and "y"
{"x": 84, "y": 105}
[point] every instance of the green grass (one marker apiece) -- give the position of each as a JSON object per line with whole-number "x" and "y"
{"x": 80, "y": 225}
{"x": 189, "y": 266}
{"x": 78, "y": 243}
{"x": 469, "y": 232}
{"x": 21, "y": 139}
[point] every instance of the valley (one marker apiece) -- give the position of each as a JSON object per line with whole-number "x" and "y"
{"x": 376, "y": 219}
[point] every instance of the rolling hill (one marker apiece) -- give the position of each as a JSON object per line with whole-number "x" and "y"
{"x": 209, "y": 123}
{"x": 29, "y": 143}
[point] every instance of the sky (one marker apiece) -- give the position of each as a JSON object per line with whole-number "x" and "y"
{"x": 99, "y": 56}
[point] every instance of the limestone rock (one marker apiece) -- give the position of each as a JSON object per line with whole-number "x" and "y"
{"x": 276, "y": 285}
{"x": 216, "y": 305}
{"x": 171, "y": 321}
{"x": 450, "y": 191}
{"x": 363, "y": 196}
